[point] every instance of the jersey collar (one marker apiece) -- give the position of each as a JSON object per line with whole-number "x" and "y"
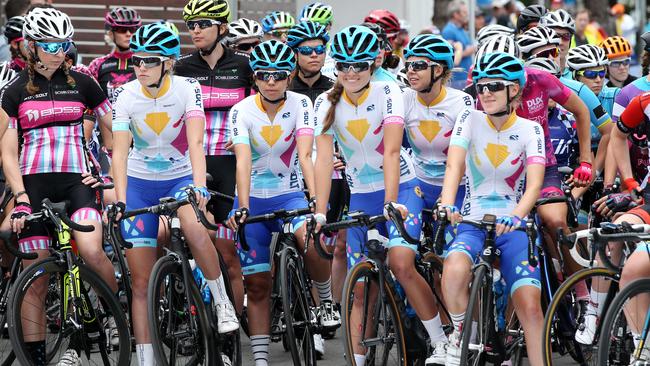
{"x": 362, "y": 98}
{"x": 511, "y": 121}
{"x": 441, "y": 96}
{"x": 164, "y": 88}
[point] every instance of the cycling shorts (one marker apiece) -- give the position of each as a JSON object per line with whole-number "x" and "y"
{"x": 339, "y": 200}
{"x": 57, "y": 187}
{"x": 431, "y": 194}
{"x": 258, "y": 235}
{"x": 223, "y": 170}
{"x": 552, "y": 185}
{"x": 514, "y": 254}
{"x": 372, "y": 203}
{"x": 642, "y": 212}
{"x": 142, "y": 230}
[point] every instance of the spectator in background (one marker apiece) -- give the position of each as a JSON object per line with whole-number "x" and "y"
{"x": 12, "y": 9}
{"x": 479, "y": 19}
{"x": 586, "y": 31}
{"x": 557, "y": 4}
{"x": 501, "y": 11}
{"x": 625, "y": 25}
{"x": 454, "y": 31}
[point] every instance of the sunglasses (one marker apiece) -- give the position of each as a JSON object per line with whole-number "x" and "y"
{"x": 492, "y": 86}
{"x": 552, "y": 52}
{"x": 148, "y": 62}
{"x": 419, "y": 65}
{"x": 619, "y": 63}
{"x": 357, "y": 67}
{"x": 307, "y": 50}
{"x": 246, "y": 46}
{"x": 202, "y": 23}
{"x": 123, "y": 30}
{"x": 592, "y": 74}
{"x": 275, "y": 75}
{"x": 55, "y": 47}
{"x": 565, "y": 36}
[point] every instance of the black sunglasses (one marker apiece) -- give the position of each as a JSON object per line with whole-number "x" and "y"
{"x": 246, "y": 46}
{"x": 276, "y": 75}
{"x": 202, "y": 23}
{"x": 346, "y": 67}
{"x": 492, "y": 86}
{"x": 148, "y": 62}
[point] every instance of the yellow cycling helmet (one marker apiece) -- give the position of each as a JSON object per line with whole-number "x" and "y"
{"x": 210, "y": 9}
{"x": 616, "y": 46}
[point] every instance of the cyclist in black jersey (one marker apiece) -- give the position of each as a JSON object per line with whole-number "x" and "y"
{"x": 14, "y": 33}
{"x": 225, "y": 78}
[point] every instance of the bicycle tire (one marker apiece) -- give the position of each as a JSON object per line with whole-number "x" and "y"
{"x": 480, "y": 302}
{"x": 557, "y": 302}
{"x": 639, "y": 286}
{"x": 203, "y": 351}
{"x": 366, "y": 270}
{"x": 299, "y": 325}
{"x": 100, "y": 291}
{"x": 230, "y": 344}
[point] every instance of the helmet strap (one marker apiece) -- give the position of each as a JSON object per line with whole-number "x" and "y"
{"x": 277, "y": 101}
{"x": 362, "y": 89}
{"x": 208, "y": 51}
{"x": 432, "y": 81}
{"x": 37, "y": 61}
{"x": 506, "y": 111}
{"x": 162, "y": 75}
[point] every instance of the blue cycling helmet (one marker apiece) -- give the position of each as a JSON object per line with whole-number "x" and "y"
{"x": 272, "y": 55}
{"x": 277, "y": 20}
{"x": 305, "y": 31}
{"x": 156, "y": 38}
{"x": 500, "y": 65}
{"x": 355, "y": 44}
{"x": 433, "y": 47}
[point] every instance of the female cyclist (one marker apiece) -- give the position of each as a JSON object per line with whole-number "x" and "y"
{"x": 13, "y": 31}
{"x": 244, "y": 34}
{"x": 268, "y": 130}
{"x": 498, "y": 152}
{"x": 164, "y": 116}
{"x": 619, "y": 53}
{"x": 276, "y": 25}
{"x": 367, "y": 119}
{"x": 44, "y": 152}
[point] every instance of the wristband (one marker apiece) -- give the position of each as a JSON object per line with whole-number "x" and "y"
{"x": 320, "y": 218}
{"x": 630, "y": 184}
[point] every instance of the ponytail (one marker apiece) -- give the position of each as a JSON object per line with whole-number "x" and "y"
{"x": 334, "y": 96}
{"x": 645, "y": 62}
{"x": 69, "y": 79}
{"x": 31, "y": 87}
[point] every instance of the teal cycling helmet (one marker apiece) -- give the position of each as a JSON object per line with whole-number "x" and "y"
{"x": 156, "y": 38}
{"x": 272, "y": 55}
{"x": 317, "y": 12}
{"x": 433, "y": 47}
{"x": 354, "y": 44}
{"x": 500, "y": 65}
{"x": 277, "y": 20}
{"x": 305, "y": 31}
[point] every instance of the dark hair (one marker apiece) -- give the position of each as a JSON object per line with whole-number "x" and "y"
{"x": 16, "y": 7}
{"x": 645, "y": 63}
{"x": 44, "y": 6}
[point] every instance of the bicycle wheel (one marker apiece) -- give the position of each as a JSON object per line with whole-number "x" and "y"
{"x": 298, "y": 316}
{"x": 480, "y": 308}
{"x": 563, "y": 317}
{"x": 179, "y": 328}
{"x": 381, "y": 333}
{"x": 627, "y": 314}
{"x": 230, "y": 344}
{"x": 81, "y": 324}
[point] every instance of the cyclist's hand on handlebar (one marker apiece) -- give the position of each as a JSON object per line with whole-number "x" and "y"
{"x": 18, "y": 215}
{"x": 582, "y": 175}
{"x": 507, "y": 224}
{"x": 615, "y": 202}
{"x": 236, "y": 217}
{"x": 397, "y": 206}
{"x": 453, "y": 214}
{"x": 90, "y": 180}
{"x": 116, "y": 209}
{"x": 202, "y": 197}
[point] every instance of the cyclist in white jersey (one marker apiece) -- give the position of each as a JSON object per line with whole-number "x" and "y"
{"x": 269, "y": 130}
{"x": 164, "y": 116}
{"x": 367, "y": 119}
{"x": 503, "y": 157}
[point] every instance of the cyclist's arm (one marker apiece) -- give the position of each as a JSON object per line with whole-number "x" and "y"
{"x": 305, "y": 144}
{"x": 575, "y": 105}
{"x": 4, "y": 122}
{"x": 241, "y": 142}
{"x": 121, "y": 143}
{"x": 324, "y": 165}
{"x": 629, "y": 119}
{"x": 105, "y": 127}
{"x": 535, "y": 168}
{"x": 10, "y": 163}
{"x": 610, "y": 166}
{"x": 601, "y": 152}
{"x": 393, "y": 135}
{"x": 456, "y": 155}
{"x": 195, "y": 127}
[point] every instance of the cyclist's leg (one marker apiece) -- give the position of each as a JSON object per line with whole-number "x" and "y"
{"x": 338, "y": 203}
{"x": 222, "y": 169}
{"x": 84, "y": 210}
{"x": 525, "y": 290}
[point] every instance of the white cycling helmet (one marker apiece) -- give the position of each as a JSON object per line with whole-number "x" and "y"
{"x": 559, "y": 19}
{"x": 6, "y": 73}
{"x": 492, "y": 30}
{"x": 243, "y": 28}
{"x": 499, "y": 43}
{"x": 47, "y": 23}
{"x": 585, "y": 57}
{"x": 535, "y": 38}
{"x": 544, "y": 64}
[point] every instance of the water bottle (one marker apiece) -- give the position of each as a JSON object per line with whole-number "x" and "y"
{"x": 203, "y": 286}
{"x": 410, "y": 312}
{"x": 500, "y": 298}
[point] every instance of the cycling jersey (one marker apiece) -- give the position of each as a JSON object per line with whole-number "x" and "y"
{"x": 382, "y": 74}
{"x": 496, "y": 161}
{"x": 429, "y": 130}
{"x": 636, "y": 112}
{"x": 628, "y": 92}
{"x": 224, "y": 86}
{"x": 597, "y": 113}
{"x": 561, "y": 125}
{"x": 112, "y": 71}
{"x": 358, "y": 129}
{"x": 50, "y": 122}
{"x": 321, "y": 85}
{"x": 272, "y": 143}
{"x": 160, "y": 149}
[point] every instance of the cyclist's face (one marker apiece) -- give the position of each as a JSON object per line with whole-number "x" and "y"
{"x": 494, "y": 102}
{"x": 619, "y": 71}
{"x": 595, "y": 84}
{"x": 353, "y": 81}
{"x": 272, "y": 89}
{"x": 311, "y": 64}
{"x": 205, "y": 38}
{"x": 150, "y": 75}
{"x": 419, "y": 80}
{"x": 122, "y": 37}
{"x": 51, "y": 61}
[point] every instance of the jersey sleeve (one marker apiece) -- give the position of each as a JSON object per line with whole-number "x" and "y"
{"x": 238, "y": 126}
{"x": 95, "y": 98}
{"x": 121, "y": 113}
{"x": 535, "y": 149}
{"x": 321, "y": 106}
{"x": 305, "y": 124}
{"x": 557, "y": 91}
{"x": 599, "y": 117}
{"x": 461, "y": 133}
{"x": 9, "y": 104}
{"x": 393, "y": 106}
{"x": 409, "y": 106}
{"x": 633, "y": 114}
{"x": 193, "y": 100}
{"x": 620, "y": 102}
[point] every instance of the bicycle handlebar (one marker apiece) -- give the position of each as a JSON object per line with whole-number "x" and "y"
{"x": 281, "y": 214}
{"x": 58, "y": 210}
{"x": 6, "y": 236}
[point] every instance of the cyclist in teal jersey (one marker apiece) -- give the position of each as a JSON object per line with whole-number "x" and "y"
{"x": 164, "y": 116}
{"x": 381, "y": 74}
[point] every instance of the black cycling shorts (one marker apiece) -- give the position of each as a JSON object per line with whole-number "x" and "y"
{"x": 223, "y": 170}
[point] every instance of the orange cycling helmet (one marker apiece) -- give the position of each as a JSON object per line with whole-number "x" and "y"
{"x": 616, "y": 46}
